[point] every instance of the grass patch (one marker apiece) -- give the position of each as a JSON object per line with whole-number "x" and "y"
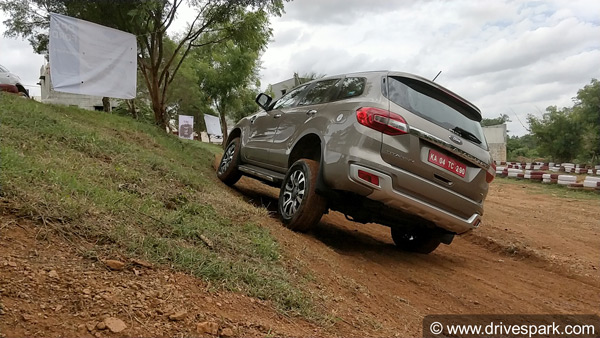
{"x": 128, "y": 187}
{"x": 556, "y": 190}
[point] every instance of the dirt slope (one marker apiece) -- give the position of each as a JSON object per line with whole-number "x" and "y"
{"x": 535, "y": 254}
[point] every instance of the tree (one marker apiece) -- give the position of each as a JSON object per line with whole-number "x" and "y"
{"x": 503, "y": 118}
{"x": 557, "y": 134}
{"x": 228, "y": 71}
{"x": 587, "y": 111}
{"x": 521, "y": 147}
{"x": 149, "y": 20}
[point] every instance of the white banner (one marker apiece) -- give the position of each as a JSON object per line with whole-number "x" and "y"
{"x": 213, "y": 125}
{"x": 87, "y": 58}
{"x": 186, "y": 127}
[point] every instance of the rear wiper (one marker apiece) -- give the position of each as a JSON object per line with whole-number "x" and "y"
{"x": 466, "y": 134}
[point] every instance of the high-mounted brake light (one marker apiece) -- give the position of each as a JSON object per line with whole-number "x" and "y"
{"x": 382, "y": 120}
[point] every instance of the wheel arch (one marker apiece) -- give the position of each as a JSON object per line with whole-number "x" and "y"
{"x": 236, "y": 132}
{"x": 309, "y": 146}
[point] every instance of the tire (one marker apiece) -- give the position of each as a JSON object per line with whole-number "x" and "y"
{"x": 299, "y": 205}
{"x": 228, "y": 167}
{"x": 415, "y": 240}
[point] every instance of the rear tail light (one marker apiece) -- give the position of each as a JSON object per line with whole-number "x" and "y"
{"x": 491, "y": 173}
{"x": 382, "y": 120}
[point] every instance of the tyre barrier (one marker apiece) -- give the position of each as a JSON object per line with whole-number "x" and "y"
{"x": 591, "y": 184}
{"x": 575, "y": 185}
{"x": 567, "y": 178}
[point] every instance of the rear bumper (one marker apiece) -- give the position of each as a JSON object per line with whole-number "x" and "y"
{"x": 9, "y": 88}
{"x": 385, "y": 193}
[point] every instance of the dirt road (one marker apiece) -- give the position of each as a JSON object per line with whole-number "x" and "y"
{"x": 535, "y": 253}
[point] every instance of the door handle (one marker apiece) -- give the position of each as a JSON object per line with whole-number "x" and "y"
{"x": 311, "y": 112}
{"x": 276, "y": 116}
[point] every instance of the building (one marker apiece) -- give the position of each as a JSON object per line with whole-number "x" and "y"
{"x": 49, "y": 95}
{"x": 279, "y": 89}
{"x": 496, "y": 139}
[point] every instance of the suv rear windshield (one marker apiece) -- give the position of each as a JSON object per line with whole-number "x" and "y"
{"x": 438, "y": 107}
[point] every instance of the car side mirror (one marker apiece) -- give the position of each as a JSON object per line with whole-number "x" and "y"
{"x": 264, "y": 101}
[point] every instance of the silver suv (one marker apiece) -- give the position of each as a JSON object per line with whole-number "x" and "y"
{"x": 383, "y": 147}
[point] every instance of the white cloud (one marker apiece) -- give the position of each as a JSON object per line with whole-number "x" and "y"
{"x": 507, "y": 57}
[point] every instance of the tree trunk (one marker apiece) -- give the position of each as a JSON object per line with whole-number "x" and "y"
{"x": 223, "y": 125}
{"x": 106, "y": 104}
{"x": 132, "y": 110}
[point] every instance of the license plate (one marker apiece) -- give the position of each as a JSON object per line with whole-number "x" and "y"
{"x": 447, "y": 163}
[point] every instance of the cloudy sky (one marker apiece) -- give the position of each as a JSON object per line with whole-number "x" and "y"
{"x": 507, "y": 57}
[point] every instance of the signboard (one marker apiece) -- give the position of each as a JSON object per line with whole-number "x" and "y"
{"x": 213, "y": 125}
{"x": 87, "y": 58}
{"x": 186, "y": 127}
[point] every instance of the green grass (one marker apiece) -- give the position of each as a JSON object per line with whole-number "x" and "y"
{"x": 557, "y": 190}
{"x": 110, "y": 184}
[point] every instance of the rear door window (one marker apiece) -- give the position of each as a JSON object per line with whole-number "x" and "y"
{"x": 320, "y": 93}
{"x": 351, "y": 87}
{"x": 436, "y": 106}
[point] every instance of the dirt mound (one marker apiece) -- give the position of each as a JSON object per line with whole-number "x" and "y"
{"x": 534, "y": 254}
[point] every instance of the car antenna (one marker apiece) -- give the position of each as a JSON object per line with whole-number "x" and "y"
{"x": 438, "y": 74}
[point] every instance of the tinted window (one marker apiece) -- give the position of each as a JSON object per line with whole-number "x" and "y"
{"x": 351, "y": 86}
{"x": 436, "y": 106}
{"x": 289, "y": 99}
{"x": 319, "y": 93}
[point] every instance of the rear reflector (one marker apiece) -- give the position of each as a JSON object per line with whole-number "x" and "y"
{"x": 382, "y": 120}
{"x": 373, "y": 179}
{"x": 491, "y": 173}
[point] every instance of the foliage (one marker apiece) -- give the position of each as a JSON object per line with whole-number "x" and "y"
{"x": 573, "y": 133}
{"x": 149, "y": 20}
{"x": 503, "y": 118}
{"x": 115, "y": 186}
{"x": 228, "y": 72}
{"x": 556, "y": 133}
{"x": 521, "y": 147}
{"x": 587, "y": 112}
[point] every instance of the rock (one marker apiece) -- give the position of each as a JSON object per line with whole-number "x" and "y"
{"x": 208, "y": 327}
{"x": 475, "y": 302}
{"x": 227, "y": 332}
{"x": 141, "y": 263}
{"x": 101, "y": 326}
{"x": 13, "y": 264}
{"x": 178, "y": 316}
{"x": 27, "y": 317}
{"x": 57, "y": 308}
{"x": 90, "y": 326}
{"x": 114, "y": 264}
{"x": 115, "y": 325}
{"x": 53, "y": 274}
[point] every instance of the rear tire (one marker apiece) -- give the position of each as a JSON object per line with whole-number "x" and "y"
{"x": 299, "y": 205}
{"x": 417, "y": 239}
{"x": 228, "y": 167}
